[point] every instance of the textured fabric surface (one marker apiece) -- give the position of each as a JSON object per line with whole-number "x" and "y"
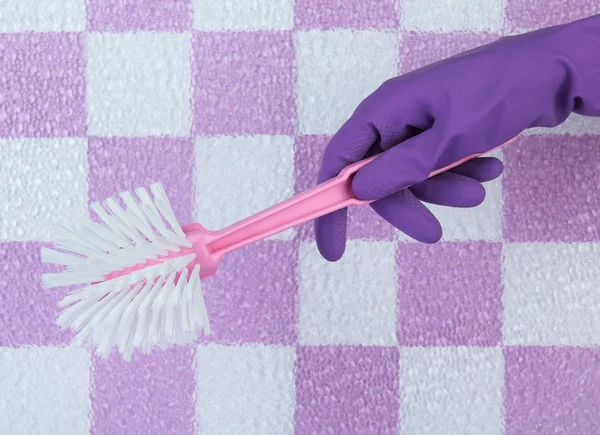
{"x": 229, "y": 103}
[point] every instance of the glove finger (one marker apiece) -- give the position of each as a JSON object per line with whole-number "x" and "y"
{"x": 354, "y": 141}
{"x": 368, "y": 131}
{"x": 451, "y": 190}
{"x": 330, "y": 232}
{"x": 403, "y": 165}
{"x": 481, "y": 169}
{"x": 371, "y": 127}
{"x": 350, "y": 144}
{"x": 405, "y": 212}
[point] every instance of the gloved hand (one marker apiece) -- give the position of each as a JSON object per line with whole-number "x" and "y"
{"x": 467, "y": 104}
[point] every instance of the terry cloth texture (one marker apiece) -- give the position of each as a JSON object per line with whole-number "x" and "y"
{"x": 229, "y": 103}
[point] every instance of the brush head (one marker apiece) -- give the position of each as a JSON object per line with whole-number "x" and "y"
{"x": 137, "y": 272}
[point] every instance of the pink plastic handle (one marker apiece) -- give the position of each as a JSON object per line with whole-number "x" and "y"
{"x": 323, "y": 199}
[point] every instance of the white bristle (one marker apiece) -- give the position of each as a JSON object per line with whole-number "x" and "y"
{"x": 95, "y": 235}
{"x": 165, "y": 245}
{"x": 158, "y": 305}
{"x": 185, "y": 300}
{"x": 127, "y": 226}
{"x": 86, "y": 293}
{"x": 86, "y": 320}
{"x": 127, "y": 327}
{"x": 112, "y": 228}
{"x": 106, "y": 328}
{"x": 65, "y": 241}
{"x": 169, "y": 310}
{"x": 70, "y": 277}
{"x": 141, "y": 334}
{"x": 52, "y": 256}
{"x": 198, "y": 308}
{"x": 82, "y": 337}
{"x": 106, "y": 230}
{"x": 136, "y": 216}
{"x": 173, "y": 318}
{"x": 111, "y": 322}
{"x": 162, "y": 202}
{"x": 153, "y": 333}
{"x": 69, "y": 315}
{"x": 150, "y": 209}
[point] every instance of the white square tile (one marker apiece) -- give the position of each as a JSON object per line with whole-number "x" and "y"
{"x": 44, "y": 391}
{"x": 138, "y": 84}
{"x": 551, "y": 294}
{"x": 575, "y": 124}
{"x": 42, "y": 15}
{"x": 337, "y": 70}
{"x": 238, "y": 176}
{"x": 211, "y": 15}
{"x": 483, "y": 222}
{"x": 452, "y": 15}
{"x": 451, "y": 391}
{"x": 245, "y": 390}
{"x": 43, "y": 182}
{"x": 349, "y": 302}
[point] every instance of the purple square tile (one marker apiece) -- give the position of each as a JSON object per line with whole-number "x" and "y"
{"x": 243, "y": 83}
{"x": 552, "y": 390}
{"x": 529, "y": 14}
{"x": 253, "y": 297}
{"x": 42, "y": 85}
{"x": 550, "y": 189}
{"x": 117, "y": 164}
{"x": 350, "y": 14}
{"x": 140, "y": 15}
{"x": 347, "y": 390}
{"x": 420, "y": 49}
{"x": 449, "y": 294}
{"x": 363, "y": 222}
{"x": 152, "y": 394}
{"x": 28, "y": 311}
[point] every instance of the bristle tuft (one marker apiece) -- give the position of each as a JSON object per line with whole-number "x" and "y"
{"x": 158, "y": 305}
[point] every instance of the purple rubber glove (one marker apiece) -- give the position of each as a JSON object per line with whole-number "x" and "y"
{"x": 470, "y": 103}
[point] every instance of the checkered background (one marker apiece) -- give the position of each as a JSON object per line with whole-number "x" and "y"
{"x": 230, "y": 103}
